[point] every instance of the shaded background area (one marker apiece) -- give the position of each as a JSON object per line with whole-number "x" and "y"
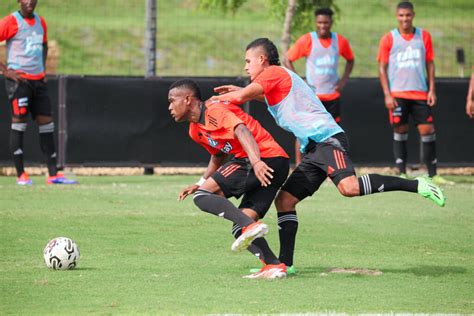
{"x": 119, "y": 121}
{"x": 107, "y": 37}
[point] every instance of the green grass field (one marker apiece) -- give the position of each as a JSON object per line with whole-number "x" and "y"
{"x": 107, "y": 38}
{"x": 145, "y": 253}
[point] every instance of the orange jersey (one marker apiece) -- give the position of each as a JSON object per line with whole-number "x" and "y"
{"x": 217, "y": 133}
{"x": 386, "y": 43}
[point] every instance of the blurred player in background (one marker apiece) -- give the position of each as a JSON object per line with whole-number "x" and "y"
{"x": 27, "y": 49}
{"x": 297, "y": 109}
{"x": 322, "y": 49}
{"x": 405, "y": 56}
{"x": 258, "y": 169}
{"x": 470, "y": 97}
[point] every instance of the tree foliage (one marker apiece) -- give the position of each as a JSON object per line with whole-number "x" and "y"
{"x": 303, "y": 19}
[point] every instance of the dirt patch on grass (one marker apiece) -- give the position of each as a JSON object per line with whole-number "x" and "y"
{"x": 360, "y": 271}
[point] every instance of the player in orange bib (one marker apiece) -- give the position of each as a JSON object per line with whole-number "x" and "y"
{"x": 255, "y": 173}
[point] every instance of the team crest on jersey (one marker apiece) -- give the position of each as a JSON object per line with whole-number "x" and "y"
{"x": 212, "y": 142}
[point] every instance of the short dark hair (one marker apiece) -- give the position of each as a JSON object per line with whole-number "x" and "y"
{"x": 324, "y": 11}
{"x": 270, "y": 50}
{"x": 188, "y": 84}
{"x": 405, "y": 5}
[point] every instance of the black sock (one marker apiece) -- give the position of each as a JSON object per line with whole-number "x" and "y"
{"x": 429, "y": 153}
{"x": 268, "y": 255}
{"x": 257, "y": 252}
{"x": 220, "y": 206}
{"x": 400, "y": 151}
{"x": 375, "y": 183}
{"x": 288, "y": 226}
{"x": 47, "y": 147}
{"x": 16, "y": 146}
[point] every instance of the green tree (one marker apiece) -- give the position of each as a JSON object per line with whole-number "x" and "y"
{"x": 297, "y": 16}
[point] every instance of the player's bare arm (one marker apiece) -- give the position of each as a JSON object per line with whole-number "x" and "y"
{"x": 289, "y": 64}
{"x": 390, "y": 102}
{"x": 261, "y": 169}
{"x": 430, "y": 70}
{"x": 470, "y": 98}
{"x": 215, "y": 162}
{"x": 253, "y": 91}
{"x": 347, "y": 72}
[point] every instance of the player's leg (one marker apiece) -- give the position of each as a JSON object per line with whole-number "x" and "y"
{"x": 399, "y": 121}
{"x": 303, "y": 182}
{"x": 422, "y": 115}
{"x": 334, "y": 108}
{"x": 257, "y": 199}
{"x": 41, "y": 112}
{"x": 19, "y": 96}
{"x": 209, "y": 201}
{"x": 335, "y": 154}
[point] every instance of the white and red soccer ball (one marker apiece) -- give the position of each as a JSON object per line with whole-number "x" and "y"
{"x": 61, "y": 253}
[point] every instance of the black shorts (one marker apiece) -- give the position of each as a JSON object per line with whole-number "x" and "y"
{"x": 418, "y": 109}
{"x": 329, "y": 158}
{"x": 334, "y": 108}
{"x": 26, "y": 97}
{"x": 237, "y": 178}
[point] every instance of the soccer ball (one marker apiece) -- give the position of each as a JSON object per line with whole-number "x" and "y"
{"x": 61, "y": 253}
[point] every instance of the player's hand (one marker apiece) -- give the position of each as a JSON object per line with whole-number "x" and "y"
{"x": 13, "y": 75}
{"x": 431, "y": 98}
{"x": 390, "y": 102}
{"x": 340, "y": 85}
{"x": 470, "y": 108}
{"x": 187, "y": 191}
{"x": 226, "y": 89}
{"x": 263, "y": 173}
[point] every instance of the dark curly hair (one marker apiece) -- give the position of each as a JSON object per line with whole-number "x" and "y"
{"x": 188, "y": 84}
{"x": 270, "y": 50}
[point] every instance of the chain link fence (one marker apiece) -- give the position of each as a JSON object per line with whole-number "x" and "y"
{"x": 93, "y": 37}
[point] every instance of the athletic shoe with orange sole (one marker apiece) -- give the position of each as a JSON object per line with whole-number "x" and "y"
{"x": 24, "y": 179}
{"x": 270, "y": 271}
{"x": 59, "y": 178}
{"x": 249, "y": 234}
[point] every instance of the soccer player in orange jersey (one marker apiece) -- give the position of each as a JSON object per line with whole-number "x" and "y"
{"x": 405, "y": 57}
{"x": 256, "y": 172}
{"x": 322, "y": 49}
{"x": 27, "y": 49}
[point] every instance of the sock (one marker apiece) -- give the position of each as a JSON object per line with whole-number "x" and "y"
{"x": 400, "y": 151}
{"x": 288, "y": 226}
{"x": 47, "y": 147}
{"x": 257, "y": 252}
{"x": 16, "y": 146}
{"x": 375, "y": 183}
{"x": 429, "y": 153}
{"x": 220, "y": 206}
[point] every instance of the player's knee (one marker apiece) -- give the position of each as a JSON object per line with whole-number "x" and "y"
{"x": 199, "y": 196}
{"x": 401, "y": 129}
{"x": 349, "y": 188}
{"x": 285, "y": 201}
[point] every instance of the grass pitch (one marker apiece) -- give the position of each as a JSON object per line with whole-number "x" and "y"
{"x": 143, "y": 252}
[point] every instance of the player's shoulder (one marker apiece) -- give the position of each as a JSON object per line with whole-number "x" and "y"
{"x": 8, "y": 19}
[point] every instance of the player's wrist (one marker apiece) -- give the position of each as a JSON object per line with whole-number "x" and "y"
{"x": 255, "y": 162}
{"x": 201, "y": 181}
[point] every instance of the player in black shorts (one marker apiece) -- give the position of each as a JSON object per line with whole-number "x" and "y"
{"x": 255, "y": 173}
{"x": 27, "y": 49}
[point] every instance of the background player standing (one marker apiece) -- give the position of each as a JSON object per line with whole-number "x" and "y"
{"x": 405, "y": 57}
{"x": 27, "y": 49}
{"x": 322, "y": 49}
